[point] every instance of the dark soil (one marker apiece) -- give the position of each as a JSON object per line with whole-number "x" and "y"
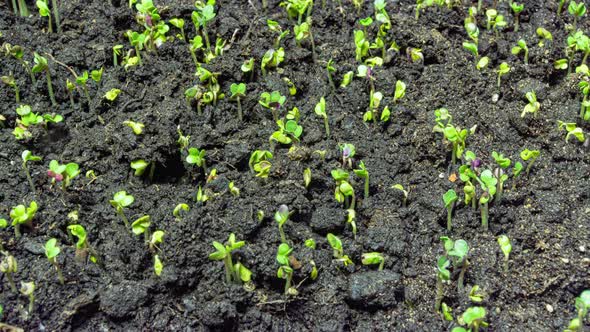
{"x": 546, "y": 217}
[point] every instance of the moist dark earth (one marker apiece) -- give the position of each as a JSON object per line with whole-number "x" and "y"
{"x": 546, "y": 216}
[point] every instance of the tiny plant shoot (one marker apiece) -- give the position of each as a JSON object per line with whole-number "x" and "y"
{"x": 51, "y": 251}
{"x": 363, "y": 173}
{"x": 285, "y": 270}
{"x": 63, "y": 173}
{"x": 320, "y": 110}
{"x": 338, "y": 253}
{"x": 449, "y": 198}
{"x": 120, "y": 201}
{"x": 28, "y": 290}
{"x": 42, "y": 66}
{"x": 531, "y": 155}
{"x": 281, "y": 217}
{"x": 373, "y": 258}
{"x": 238, "y": 91}
{"x": 223, "y": 253}
{"x": 28, "y": 156}
{"x": 22, "y": 215}
{"x": 142, "y": 226}
{"x": 9, "y": 267}
{"x": 506, "y": 248}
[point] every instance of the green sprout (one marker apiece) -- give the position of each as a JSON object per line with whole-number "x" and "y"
{"x": 362, "y": 45}
{"x": 577, "y": 10}
{"x": 28, "y": 290}
{"x": 287, "y": 132}
{"x": 139, "y": 166}
{"x": 373, "y": 258}
{"x": 51, "y": 251}
{"x": 443, "y": 276}
{"x": 158, "y": 266}
{"x": 285, "y": 270}
{"x": 142, "y": 226}
{"x": 521, "y": 47}
{"x": 116, "y": 54}
{"x": 517, "y": 9}
{"x": 449, "y": 198}
{"x": 502, "y": 70}
{"x": 348, "y": 151}
{"x": 572, "y": 130}
{"x": 344, "y": 189}
{"x": 531, "y": 155}
{"x": 488, "y": 184}
{"x": 310, "y": 243}
{"x": 585, "y": 105}
{"x": 346, "y": 79}
{"x": 281, "y": 217}
{"x": 272, "y": 101}
{"x": 201, "y": 196}
{"x": 363, "y": 174}
{"x": 23, "y": 10}
{"x": 120, "y": 201}
{"x": 404, "y": 191}
{"x": 307, "y": 177}
{"x": 195, "y": 45}
{"x": 233, "y": 190}
{"x": 28, "y": 156}
{"x": 516, "y": 171}
{"x": 223, "y": 253}
{"x": 82, "y": 246}
{"x": 320, "y": 110}
{"x": 177, "y": 210}
{"x": 330, "y": 69}
{"x": 471, "y": 48}
{"x": 482, "y": 63}
{"x": 451, "y": 133}
{"x": 533, "y": 106}
{"x": 22, "y": 215}
{"x": 248, "y": 67}
{"x": 179, "y": 24}
{"x": 457, "y": 251}
{"x": 544, "y": 36}
{"x": 112, "y": 94}
{"x": 45, "y": 12}
{"x": 259, "y": 163}
{"x": 197, "y": 157}
{"x": 8, "y": 267}
{"x": 137, "y": 127}
{"x": 415, "y": 54}
{"x": 400, "y": 91}
{"x": 11, "y": 82}
{"x": 475, "y": 295}
{"x": 272, "y": 59}
{"x": 275, "y": 27}
{"x": 491, "y": 15}
{"x": 238, "y": 91}
{"x": 503, "y": 163}
{"x": 582, "y": 305}
{"x": 560, "y": 7}
{"x": 506, "y": 248}
{"x": 201, "y": 17}
{"x": 63, "y": 173}
{"x": 474, "y": 318}
{"x": 42, "y": 66}
{"x": 156, "y": 238}
{"x": 338, "y": 253}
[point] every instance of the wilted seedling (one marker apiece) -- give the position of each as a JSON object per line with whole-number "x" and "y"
{"x": 285, "y": 270}
{"x": 28, "y": 289}
{"x": 363, "y": 173}
{"x": 177, "y": 210}
{"x": 11, "y": 82}
{"x": 531, "y": 155}
{"x": 544, "y": 36}
{"x": 137, "y": 127}
{"x": 223, "y": 252}
{"x": 474, "y": 317}
{"x": 320, "y": 110}
{"x": 521, "y": 47}
{"x": 373, "y": 258}
{"x": 443, "y": 276}
{"x": 238, "y": 91}
{"x": 260, "y": 163}
{"x": 533, "y": 106}
{"x": 197, "y": 157}
{"x": 8, "y": 267}
{"x": 28, "y": 156}
{"x": 42, "y": 66}
{"x": 120, "y": 201}
{"x": 22, "y": 215}
{"x": 272, "y": 101}
{"x": 51, "y": 251}
{"x": 506, "y": 248}
{"x": 449, "y": 198}
{"x": 272, "y": 59}
{"x": 343, "y": 191}
{"x": 63, "y": 173}
{"x": 142, "y": 226}
{"x": 338, "y": 253}
{"x": 156, "y": 239}
{"x": 281, "y": 217}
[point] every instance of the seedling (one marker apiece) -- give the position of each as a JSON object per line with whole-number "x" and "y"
{"x": 120, "y": 201}
{"x": 307, "y": 177}
{"x": 516, "y": 170}
{"x": 223, "y": 252}
{"x": 471, "y": 48}
{"x": 272, "y": 59}
{"x": 348, "y": 152}
{"x": 475, "y": 295}
{"x": 82, "y": 246}
{"x": 156, "y": 238}
{"x": 116, "y": 54}
{"x": 521, "y": 47}
{"x": 488, "y": 184}
{"x": 28, "y": 156}
{"x": 42, "y": 66}
{"x": 139, "y": 166}
{"x": 531, "y": 155}
{"x": 238, "y": 91}
{"x": 28, "y": 290}
{"x": 112, "y": 94}
{"x": 533, "y": 106}
{"x": 344, "y": 189}
{"x": 443, "y": 276}
{"x": 457, "y": 251}
{"x": 43, "y": 7}
{"x": 178, "y": 209}
{"x": 260, "y": 163}
{"x": 158, "y": 266}
{"x": 11, "y": 82}
{"x": 363, "y": 174}
{"x": 585, "y": 106}
{"x": 400, "y": 91}
{"x": 197, "y": 157}
{"x": 248, "y": 67}
{"x": 491, "y": 15}
{"x": 285, "y": 270}
{"x": 281, "y": 217}
{"x": 272, "y": 101}
{"x": 137, "y": 127}
{"x": 572, "y": 130}
{"x": 179, "y": 24}
{"x": 62, "y": 173}
{"x": 142, "y": 226}
{"x": 310, "y": 243}
{"x": 506, "y": 248}
{"x": 362, "y": 45}
{"x": 582, "y": 305}
{"x": 8, "y": 266}
{"x": 200, "y": 18}
{"x": 22, "y": 215}
{"x": 560, "y": 7}
{"x": 23, "y": 10}
{"x": 451, "y": 133}
{"x": 373, "y": 258}
{"x": 517, "y": 9}
{"x": 474, "y": 318}
{"x": 201, "y": 196}
{"x": 502, "y": 70}
{"x": 503, "y": 163}
{"x": 577, "y": 10}
{"x": 275, "y": 27}
{"x": 320, "y": 110}
{"x": 404, "y": 191}
{"x": 51, "y": 251}
{"x": 482, "y": 63}
{"x": 338, "y": 253}
{"x": 346, "y": 79}
{"x": 449, "y": 198}
{"x": 415, "y": 54}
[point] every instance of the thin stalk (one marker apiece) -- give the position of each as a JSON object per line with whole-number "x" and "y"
{"x": 275, "y": 114}
{"x": 560, "y": 8}
{"x": 16, "y": 93}
{"x": 152, "y": 171}
{"x": 460, "y": 283}
{"x": 283, "y": 238}
{"x": 206, "y": 35}
{"x": 516, "y": 22}
{"x": 194, "y": 56}
{"x": 367, "y": 187}
{"x": 125, "y": 220}
{"x": 31, "y": 303}
{"x": 352, "y": 201}
{"x": 50, "y": 88}
{"x": 71, "y": 99}
{"x": 29, "y": 179}
{"x": 28, "y": 70}
{"x": 450, "y": 217}
{"x": 331, "y": 81}
{"x": 484, "y": 216}
{"x": 86, "y": 94}
{"x": 60, "y": 276}
{"x": 575, "y": 25}
{"x": 240, "y": 116}
{"x": 505, "y": 264}
{"x": 582, "y": 107}
{"x": 264, "y": 5}
{"x": 15, "y": 10}
{"x": 454, "y": 156}
{"x": 327, "y": 127}
{"x": 24, "y": 10}
{"x": 499, "y": 80}
{"x": 11, "y": 282}
{"x": 313, "y": 57}
{"x": 439, "y": 294}
{"x": 182, "y": 33}
{"x": 585, "y": 58}
{"x": 56, "y": 15}
{"x": 228, "y": 268}
{"x": 199, "y": 111}
{"x": 569, "y": 62}
{"x": 138, "y": 55}
{"x": 499, "y": 192}
{"x": 528, "y": 168}
{"x": 288, "y": 283}
{"x": 50, "y": 24}
{"x": 17, "y": 231}
{"x": 526, "y": 57}
{"x": 479, "y": 3}
{"x": 115, "y": 61}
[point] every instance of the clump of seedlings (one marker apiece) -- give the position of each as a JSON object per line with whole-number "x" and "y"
{"x": 22, "y": 215}
{"x": 120, "y": 201}
{"x": 28, "y": 119}
{"x": 451, "y": 133}
{"x": 51, "y": 252}
{"x": 9, "y": 267}
{"x": 260, "y": 163}
{"x": 457, "y": 252}
{"x": 234, "y": 273}
{"x": 272, "y": 101}
{"x": 62, "y": 173}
